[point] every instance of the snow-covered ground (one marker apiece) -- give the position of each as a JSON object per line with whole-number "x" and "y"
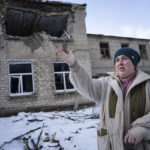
{"x": 63, "y": 130}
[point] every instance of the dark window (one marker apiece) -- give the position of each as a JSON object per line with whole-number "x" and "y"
{"x": 124, "y": 45}
{"x": 59, "y": 81}
{"x": 15, "y": 86}
{"x": 21, "y": 79}
{"x": 68, "y": 84}
{"x": 22, "y": 23}
{"x": 142, "y": 49}
{"x": 60, "y": 67}
{"x": 27, "y": 83}
{"x": 61, "y": 73}
{"x": 104, "y": 50}
{"x": 20, "y": 68}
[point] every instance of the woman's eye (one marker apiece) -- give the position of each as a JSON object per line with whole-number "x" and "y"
{"x": 117, "y": 60}
{"x": 124, "y": 58}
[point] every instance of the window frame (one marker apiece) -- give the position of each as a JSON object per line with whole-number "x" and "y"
{"x": 145, "y": 51}
{"x": 124, "y": 45}
{"x": 105, "y": 49}
{"x": 63, "y": 73}
{"x": 20, "y": 78}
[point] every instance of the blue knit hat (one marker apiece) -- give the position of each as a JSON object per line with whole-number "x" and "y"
{"x": 132, "y": 54}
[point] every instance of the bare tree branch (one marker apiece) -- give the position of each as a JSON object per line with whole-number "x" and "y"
{"x": 18, "y": 137}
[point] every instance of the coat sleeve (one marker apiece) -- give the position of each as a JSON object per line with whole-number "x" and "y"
{"x": 93, "y": 89}
{"x": 141, "y": 128}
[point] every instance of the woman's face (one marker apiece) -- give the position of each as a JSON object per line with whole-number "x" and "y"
{"x": 124, "y": 66}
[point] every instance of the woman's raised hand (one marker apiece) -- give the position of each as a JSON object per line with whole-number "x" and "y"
{"x": 68, "y": 58}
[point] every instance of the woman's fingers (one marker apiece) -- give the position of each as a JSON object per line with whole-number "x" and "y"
{"x": 129, "y": 138}
{"x": 126, "y": 138}
{"x": 62, "y": 54}
{"x": 68, "y": 58}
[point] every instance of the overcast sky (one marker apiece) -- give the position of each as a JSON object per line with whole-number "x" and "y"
{"x": 130, "y": 18}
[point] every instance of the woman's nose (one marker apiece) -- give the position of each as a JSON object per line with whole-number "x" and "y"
{"x": 120, "y": 61}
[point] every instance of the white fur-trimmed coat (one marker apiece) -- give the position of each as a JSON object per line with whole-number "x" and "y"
{"x": 111, "y": 130}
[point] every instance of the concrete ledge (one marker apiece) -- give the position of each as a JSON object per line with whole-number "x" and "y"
{"x": 10, "y": 112}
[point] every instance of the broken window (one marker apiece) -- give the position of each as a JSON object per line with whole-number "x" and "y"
{"x": 142, "y": 49}
{"x": 124, "y": 45}
{"x": 104, "y": 50}
{"x": 21, "y": 79}
{"x": 61, "y": 73}
{"x": 22, "y": 23}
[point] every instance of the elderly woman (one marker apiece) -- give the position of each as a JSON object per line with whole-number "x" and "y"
{"x": 124, "y": 98}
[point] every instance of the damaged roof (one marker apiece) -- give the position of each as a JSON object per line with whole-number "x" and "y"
{"x": 26, "y": 17}
{"x": 39, "y": 2}
{"x": 113, "y": 36}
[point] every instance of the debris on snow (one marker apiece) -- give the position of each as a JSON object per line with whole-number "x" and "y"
{"x": 64, "y": 130}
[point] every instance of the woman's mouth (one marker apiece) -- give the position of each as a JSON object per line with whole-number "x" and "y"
{"x": 121, "y": 68}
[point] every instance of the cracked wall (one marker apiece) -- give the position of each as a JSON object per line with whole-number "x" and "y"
{"x": 31, "y": 32}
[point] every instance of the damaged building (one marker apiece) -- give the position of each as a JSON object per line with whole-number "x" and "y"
{"x": 32, "y": 76}
{"x": 102, "y": 49}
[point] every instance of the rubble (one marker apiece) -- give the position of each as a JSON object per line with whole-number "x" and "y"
{"x": 54, "y": 131}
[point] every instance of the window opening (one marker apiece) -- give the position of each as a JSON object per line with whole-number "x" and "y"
{"x": 22, "y": 23}
{"x": 61, "y": 74}
{"x": 124, "y": 45}
{"x": 142, "y": 49}
{"x": 21, "y": 79}
{"x": 104, "y": 50}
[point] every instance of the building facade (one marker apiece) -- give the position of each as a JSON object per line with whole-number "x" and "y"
{"x": 32, "y": 76}
{"x": 102, "y": 49}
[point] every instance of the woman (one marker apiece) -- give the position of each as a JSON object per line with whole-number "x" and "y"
{"x": 124, "y": 98}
